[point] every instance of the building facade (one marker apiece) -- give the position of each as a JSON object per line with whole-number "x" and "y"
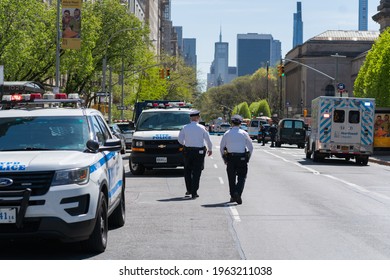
{"x": 256, "y": 51}
{"x": 316, "y": 67}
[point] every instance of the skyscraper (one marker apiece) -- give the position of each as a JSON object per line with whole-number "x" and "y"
{"x": 254, "y": 51}
{"x": 298, "y": 26}
{"x": 189, "y": 52}
{"x": 363, "y": 15}
{"x": 220, "y": 72}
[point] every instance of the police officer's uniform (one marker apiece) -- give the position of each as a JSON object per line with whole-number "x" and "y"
{"x": 272, "y": 131}
{"x": 236, "y": 147}
{"x": 193, "y": 137}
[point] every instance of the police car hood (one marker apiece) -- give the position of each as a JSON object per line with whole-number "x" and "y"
{"x": 45, "y": 160}
{"x": 156, "y": 135}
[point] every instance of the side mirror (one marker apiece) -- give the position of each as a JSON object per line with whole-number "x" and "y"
{"x": 93, "y": 146}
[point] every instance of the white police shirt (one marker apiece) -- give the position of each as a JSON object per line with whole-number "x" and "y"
{"x": 194, "y": 135}
{"x": 236, "y": 140}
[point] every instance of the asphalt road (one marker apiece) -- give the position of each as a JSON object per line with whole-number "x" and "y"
{"x": 293, "y": 209}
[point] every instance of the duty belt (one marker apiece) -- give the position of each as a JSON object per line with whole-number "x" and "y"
{"x": 193, "y": 148}
{"x": 236, "y": 154}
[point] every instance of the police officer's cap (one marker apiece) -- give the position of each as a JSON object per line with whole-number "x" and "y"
{"x": 194, "y": 113}
{"x": 236, "y": 119}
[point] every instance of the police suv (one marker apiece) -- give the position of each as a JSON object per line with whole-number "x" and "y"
{"x": 61, "y": 172}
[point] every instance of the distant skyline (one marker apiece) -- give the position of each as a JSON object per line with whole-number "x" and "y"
{"x": 203, "y": 20}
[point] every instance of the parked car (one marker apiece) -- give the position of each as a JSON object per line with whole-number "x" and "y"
{"x": 127, "y": 129}
{"x": 222, "y": 128}
{"x": 244, "y": 126}
{"x": 292, "y": 132}
{"x": 118, "y": 134}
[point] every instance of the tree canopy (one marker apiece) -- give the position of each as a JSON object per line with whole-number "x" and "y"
{"x": 373, "y": 79}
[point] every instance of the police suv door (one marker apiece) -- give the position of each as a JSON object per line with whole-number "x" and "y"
{"x": 112, "y": 160}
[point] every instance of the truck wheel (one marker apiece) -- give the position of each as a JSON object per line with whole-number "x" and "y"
{"x": 363, "y": 160}
{"x": 97, "y": 242}
{"x": 136, "y": 169}
{"x": 118, "y": 217}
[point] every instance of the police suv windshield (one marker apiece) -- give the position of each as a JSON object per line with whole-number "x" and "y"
{"x": 162, "y": 120}
{"x": 43, "y": 133}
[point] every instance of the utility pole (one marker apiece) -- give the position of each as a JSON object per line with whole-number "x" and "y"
{"x": 336, "y": 80}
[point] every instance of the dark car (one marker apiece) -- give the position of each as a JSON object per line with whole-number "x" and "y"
{"x": 292, "y": 132}
{"x": 118, "y": 134}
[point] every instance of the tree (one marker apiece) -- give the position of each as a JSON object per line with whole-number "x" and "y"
{"x": 373, "y": 79}
{"x": 27, "y": 40}
{"x": 244, "y": 110}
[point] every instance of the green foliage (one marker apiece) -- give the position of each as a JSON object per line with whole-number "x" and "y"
{"x": 249, "y": 89}
{"x": 373, "y": 79}
{"x": 28, "y": 52}
{"x": 244, "y": 110}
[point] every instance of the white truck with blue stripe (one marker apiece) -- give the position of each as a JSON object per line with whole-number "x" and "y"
{"x": 61, "y": 172}
{"x": 342, "y": 127}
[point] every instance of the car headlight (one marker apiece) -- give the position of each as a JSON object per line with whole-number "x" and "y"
{"x": 71, "y": 176}
{"x": 138, "y": 143}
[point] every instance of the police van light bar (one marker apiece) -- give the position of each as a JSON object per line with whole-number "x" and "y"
{"x": 367, "y": 103}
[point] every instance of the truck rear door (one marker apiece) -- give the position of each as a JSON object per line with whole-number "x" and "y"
{"x": 346, "y": 126}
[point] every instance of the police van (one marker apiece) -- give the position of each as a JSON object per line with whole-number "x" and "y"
{"x": 155, "y": 140}
{"x": 61, "y": 172}
{"x": 342, "y": 127}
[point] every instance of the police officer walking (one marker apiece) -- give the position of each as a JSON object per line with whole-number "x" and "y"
{"x": 193, "y": 137}
{"x": 236, "y": 148}
{"x": 272, "y": 131}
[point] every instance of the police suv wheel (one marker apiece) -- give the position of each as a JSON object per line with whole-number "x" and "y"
{"x": 118, "y": 217}
{"x": 97, "y": 242}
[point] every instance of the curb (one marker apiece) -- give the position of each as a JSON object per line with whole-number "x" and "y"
{"x": 378, "y": 161}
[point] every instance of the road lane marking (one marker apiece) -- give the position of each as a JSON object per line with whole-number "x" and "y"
{"x": 235, "y": 215}
{"x": 220, "y": 180}
{"x": 351, "y": 185}
{"x": 215, "y": 165}
{"x": 315, "y": 172}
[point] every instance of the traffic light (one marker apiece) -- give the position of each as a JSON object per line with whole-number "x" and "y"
{"x": 168, "y": 73}
{"x": 305, "y": 113}
{"x": 162, "y": 73}
{"x": 282, "y": 70}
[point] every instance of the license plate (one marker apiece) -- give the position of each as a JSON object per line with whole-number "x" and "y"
{"x": 7, "y": 215}
{"x": 344, "y": 148}
{"x": 161, "y": 160}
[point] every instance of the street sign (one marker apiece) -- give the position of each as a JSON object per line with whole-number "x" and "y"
{"x": 102, "y": 94}
{"x": 121, "y": 107}
{"x": 340, "y": 86}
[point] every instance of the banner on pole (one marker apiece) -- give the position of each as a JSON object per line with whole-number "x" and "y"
{"x": 71, "y": 24}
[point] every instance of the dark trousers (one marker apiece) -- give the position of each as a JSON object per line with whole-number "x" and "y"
{"x": 237, "y": 168}
{"x": 193, "y": 166}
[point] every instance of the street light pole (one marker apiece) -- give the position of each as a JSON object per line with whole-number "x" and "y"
{"x": 336, "y": 80}
{"x": 57, "y": 81}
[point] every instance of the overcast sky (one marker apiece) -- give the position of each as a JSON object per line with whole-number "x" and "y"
{"x": 203, "y": 19}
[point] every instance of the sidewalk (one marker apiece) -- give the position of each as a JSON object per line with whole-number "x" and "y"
{"x": 381, "y": 157}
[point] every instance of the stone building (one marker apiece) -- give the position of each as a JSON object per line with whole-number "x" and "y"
{"x": 318, "y": 66}
{"x": 325, "y": 61}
